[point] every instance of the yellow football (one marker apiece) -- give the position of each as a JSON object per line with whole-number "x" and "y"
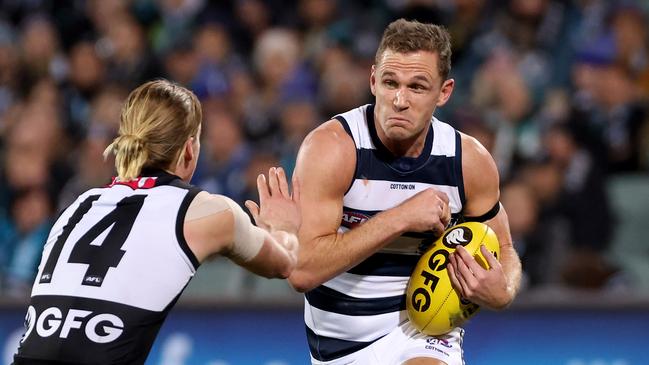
{"x": 433, "y": 306}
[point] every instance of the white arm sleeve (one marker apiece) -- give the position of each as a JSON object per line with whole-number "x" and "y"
{"x": 248, "y": 239}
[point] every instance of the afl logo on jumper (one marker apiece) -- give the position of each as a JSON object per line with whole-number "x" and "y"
{"x": 457, "y": 236}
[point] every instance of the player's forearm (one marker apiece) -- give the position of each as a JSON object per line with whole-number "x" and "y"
{"x": 324, "y": 257}
{"x": 285, "y": 251}
{"x": 512, "y": 269}
{"x": 277, "y": 257}
{"x": 509, "y": 260}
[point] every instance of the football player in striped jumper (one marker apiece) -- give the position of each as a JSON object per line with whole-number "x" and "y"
{"x": 379, "y": 184}
{"x": 119, "y": 257}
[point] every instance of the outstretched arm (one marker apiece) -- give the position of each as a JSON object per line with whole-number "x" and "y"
{"x": 325, "y": 169}
{"x": 217, "y": 225}
{"x": 494, "y": 288}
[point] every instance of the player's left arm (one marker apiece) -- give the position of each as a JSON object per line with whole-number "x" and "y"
{"x": 496, "y": 287}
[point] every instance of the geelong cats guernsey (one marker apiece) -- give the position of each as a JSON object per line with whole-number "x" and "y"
{"x": 113, "y": 266}
{"x": 356, "y": 308}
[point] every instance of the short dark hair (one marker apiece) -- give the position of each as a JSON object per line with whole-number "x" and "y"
{"x": 405, "y": 36}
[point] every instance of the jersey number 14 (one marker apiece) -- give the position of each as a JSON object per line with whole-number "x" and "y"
{"x": 99, "y": 258}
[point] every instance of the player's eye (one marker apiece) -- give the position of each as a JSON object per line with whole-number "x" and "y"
{"x": 418, "y": 87}
{"x": 390, "y": 83}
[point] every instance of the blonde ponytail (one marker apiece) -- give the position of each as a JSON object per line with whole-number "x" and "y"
{"x": 156, "y": 121}
{"x": 130, "y": 155}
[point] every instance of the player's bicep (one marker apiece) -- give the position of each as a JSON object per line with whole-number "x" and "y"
{"x": 481, "y": 181}
{"x": 324, "y": 168}
{"x": 215, "y": 224}
{"x": 482, "y": 189}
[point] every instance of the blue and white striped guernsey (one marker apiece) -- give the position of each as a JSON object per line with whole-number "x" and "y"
{"x": 356, "y": 308}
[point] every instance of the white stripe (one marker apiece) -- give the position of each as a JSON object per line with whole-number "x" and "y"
{"x": 350, "y": 328}
{"x": 443, "y": 139}
{"x": 377, "y": 195}
{"x": 443, "y": 133}
{"x": 358, "y": 126}
{"x": 368, "y": 286}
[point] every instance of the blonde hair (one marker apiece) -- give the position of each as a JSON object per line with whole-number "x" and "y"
{"x": 156, "y": 121}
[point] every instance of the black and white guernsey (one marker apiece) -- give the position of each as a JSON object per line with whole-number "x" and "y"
{"x": 357, "y": 307}
{"x": 114, "y": 264}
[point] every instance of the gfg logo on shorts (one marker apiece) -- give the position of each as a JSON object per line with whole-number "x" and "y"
{"x": 99, "y": 328}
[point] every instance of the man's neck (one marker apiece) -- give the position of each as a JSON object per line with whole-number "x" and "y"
{"x": 412, "y": 147}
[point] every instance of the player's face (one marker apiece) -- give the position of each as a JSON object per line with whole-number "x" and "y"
{"x": 408, "y": 88}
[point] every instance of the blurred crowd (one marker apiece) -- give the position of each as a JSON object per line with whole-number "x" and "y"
{"x": 555, "y": 89}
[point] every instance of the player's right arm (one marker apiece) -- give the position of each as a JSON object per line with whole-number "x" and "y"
{"x": 215, "y": 225}
{"x": 325, "y": 169}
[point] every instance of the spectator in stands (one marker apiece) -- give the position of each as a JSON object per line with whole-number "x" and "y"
{"x": 610, "y": 111}
{"x": 228, "y": 156}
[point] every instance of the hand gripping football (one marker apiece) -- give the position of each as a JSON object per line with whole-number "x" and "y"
{"x": 433, "y": 306}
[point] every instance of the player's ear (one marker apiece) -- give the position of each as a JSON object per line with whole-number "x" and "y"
{"x": 190, "y": 152}
{"x": 445, "y": 91}
{"x": 373, "y": 80}
{"x": 187, "y": 155}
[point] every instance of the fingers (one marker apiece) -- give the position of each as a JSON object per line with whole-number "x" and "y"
{"x": 442, "y": 196}
{"x": 445, "y": 216}
{"x": 296, "y": 189}
{"x": 438, "y": 228}
{"x": 491, "y": 259}
{"x": 453, "y": 276}
{"x": 460, "y": 280}
{"x": 465, "y": 272}
{"x": 282, "y": 182}
{"x": 273, "y": 181}
{"x": 274, "y": 185}
{"x": 253, "y": 208}
{"x": 468, "y": 260}
{"x": 262, "y": 188}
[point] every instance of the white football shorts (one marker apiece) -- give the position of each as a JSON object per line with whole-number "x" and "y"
{"x": 405, "y": 343}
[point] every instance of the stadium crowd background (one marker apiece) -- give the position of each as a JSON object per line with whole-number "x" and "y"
{"x": 557, "y": 90}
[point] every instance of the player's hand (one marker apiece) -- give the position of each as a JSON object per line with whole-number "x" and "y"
{"x": 485, "y": 287}
{"x": 278, "y": 208}
{"x": 427, "y": 210}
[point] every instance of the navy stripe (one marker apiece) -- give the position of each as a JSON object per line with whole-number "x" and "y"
{"x": 440, "y": 170}
{"x": 455, "y": 217}
{"x": 327, "y": 348}
{"x": 458, "y": 168}
{"x": 367, "y": 213}
{"x": 427, "y": 235}
{"x": 330, "y": 300}
{"x": 399, "y": 163}
{"x": 386, "y": 264}
{"x": 351, "y": 218}
{"x": 345, "y": 125}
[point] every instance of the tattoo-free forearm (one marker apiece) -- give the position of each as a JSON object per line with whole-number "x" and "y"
{"x": 322, "y": 258}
